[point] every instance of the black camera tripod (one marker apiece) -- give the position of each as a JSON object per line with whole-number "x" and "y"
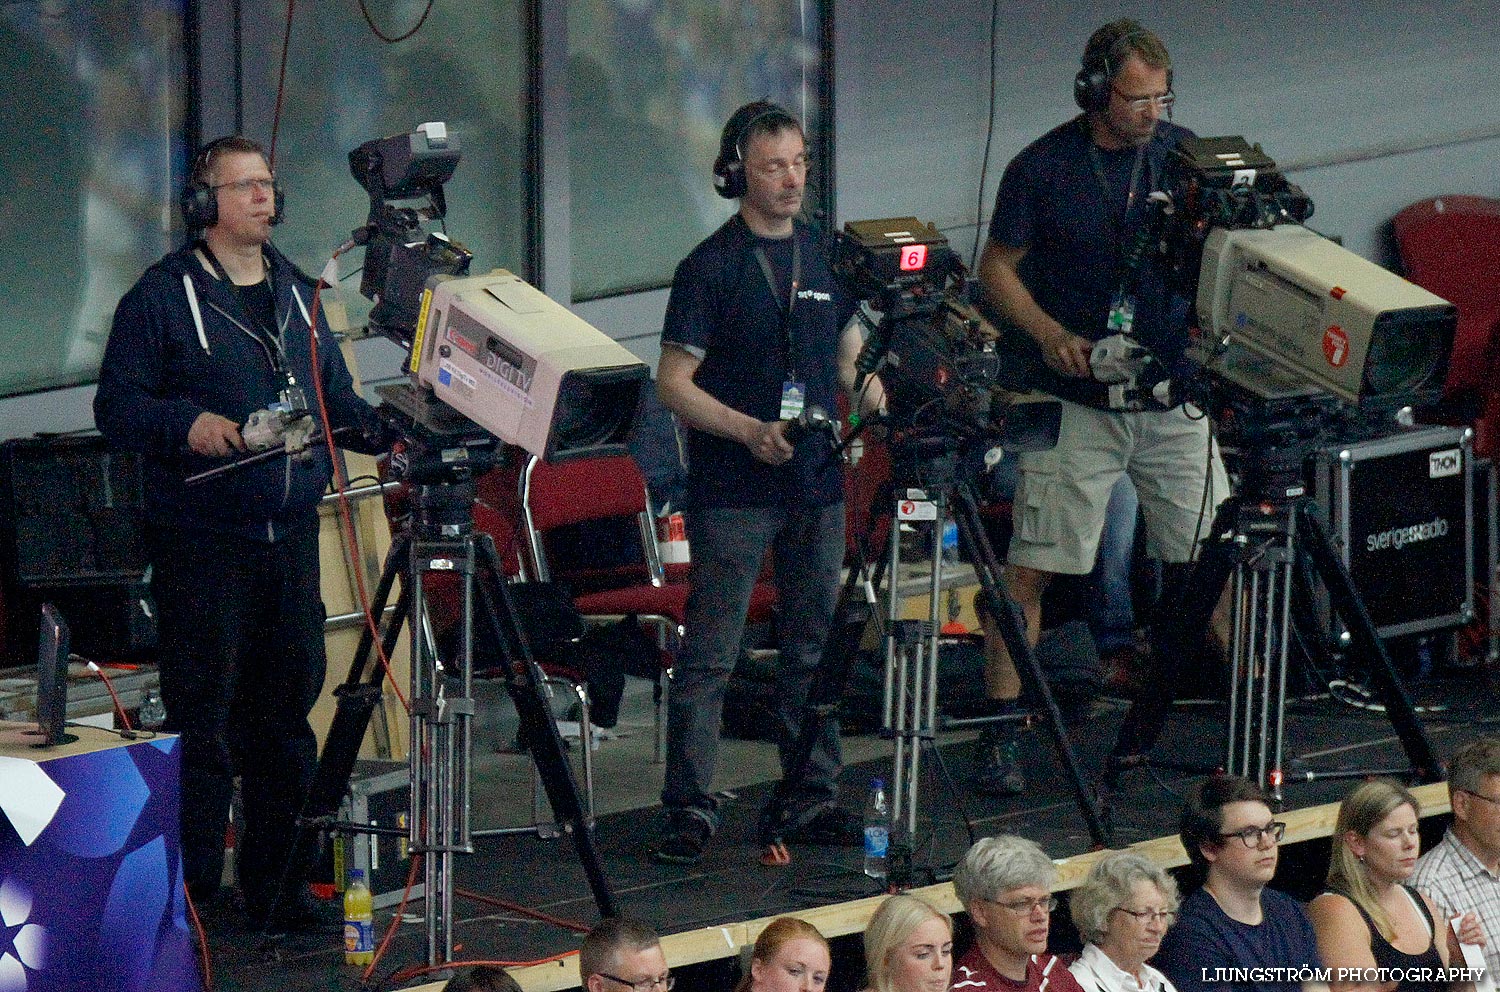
{"x": 442, "y": 540}
{"x": 1255, "y": 542}
{"x": 924, "y": 469}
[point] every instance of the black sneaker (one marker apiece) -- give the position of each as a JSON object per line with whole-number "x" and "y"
{"x": 831, "y": 826}
{"x": 998, "y": 770}
{"x": 684, "y": 839}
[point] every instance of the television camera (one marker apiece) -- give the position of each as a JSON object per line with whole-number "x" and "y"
{"x": 1300, "y": 341}
{"x": 487, "y": 350}
{"x": 933, "y": 350}
{"x": 1285, "y": 312}
{"x": 939, "y": 366}
{"x": 492, "y": 363}
{"x": 1301, "y": 347}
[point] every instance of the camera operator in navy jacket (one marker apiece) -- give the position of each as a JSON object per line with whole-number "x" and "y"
{"x": 211, "y": 333}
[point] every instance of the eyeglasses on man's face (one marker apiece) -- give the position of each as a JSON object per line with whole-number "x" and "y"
{"x": 663, "y": 982}
{"x": 1140, "y": 104}
{"x": 244, "y": 186}
{"x": 1025, "y": 907}
{"x": 1250, "y": 836}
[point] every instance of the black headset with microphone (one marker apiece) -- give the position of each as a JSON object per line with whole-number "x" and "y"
{"x": 200, "y": 201}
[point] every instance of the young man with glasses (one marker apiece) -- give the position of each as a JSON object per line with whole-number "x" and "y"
{"x": 1462, "y": 873}
{"x": 1060, "y": 271}
{"x": 1005, "y": 885}
{"x": 623, "y": 955}
{"x": 214, "y": 331}
{"x": 1234, "y": 921}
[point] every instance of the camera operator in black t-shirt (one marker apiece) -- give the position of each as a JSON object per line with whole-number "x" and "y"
{"x": 1062, "y": 269}
{"x": 756, "y": 330}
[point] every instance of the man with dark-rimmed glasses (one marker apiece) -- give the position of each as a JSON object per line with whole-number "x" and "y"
{"x": 1234, "y": 925}
{"x": 621, "y": 955}
{"x": 1462, "y": 873}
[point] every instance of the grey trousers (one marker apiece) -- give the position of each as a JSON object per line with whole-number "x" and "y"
{"x": 728, "y": 545}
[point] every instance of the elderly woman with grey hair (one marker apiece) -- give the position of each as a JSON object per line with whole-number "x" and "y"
{"x": 1122, "y": 911}
{"x": 1005, "y": 884}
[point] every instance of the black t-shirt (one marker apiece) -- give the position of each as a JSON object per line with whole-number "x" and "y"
{"x": 260, "y": 307}
{"x": 1064, "y": 200}
{"x": 723, "y": 309}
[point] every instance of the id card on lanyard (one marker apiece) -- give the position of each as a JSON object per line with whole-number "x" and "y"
{"x": 793, "y": 389}
{"x": 1121, "y": 319}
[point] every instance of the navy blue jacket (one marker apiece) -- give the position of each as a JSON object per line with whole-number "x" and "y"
{"x": 181, "y": 345}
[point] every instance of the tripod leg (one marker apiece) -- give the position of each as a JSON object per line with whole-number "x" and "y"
{"x": 441, "y": 708}
{"x": 1180, "y": 621}
{"x": 523, "y": 680}
{"x": 357, "y": 700}
{"x": 396, "y": 560}
{"x": 1003, "y": 609}
{"x": 1351, "y": 610}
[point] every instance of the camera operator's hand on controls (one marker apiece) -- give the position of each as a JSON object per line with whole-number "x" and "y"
{"x": 768, "y": 443}
{"x": 214, "y": 435}
{"x": 1068, "y": 354}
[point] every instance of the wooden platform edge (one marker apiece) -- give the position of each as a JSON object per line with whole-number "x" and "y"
{"x": 842, "y": 919}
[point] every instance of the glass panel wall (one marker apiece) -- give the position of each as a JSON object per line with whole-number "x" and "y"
{"x": 464, "y": 66}
{"x": 91, "y": 108}
{"x": 651, "y": 83}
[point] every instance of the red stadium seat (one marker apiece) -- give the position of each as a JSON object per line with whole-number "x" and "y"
{"x": 1450, "y": 245}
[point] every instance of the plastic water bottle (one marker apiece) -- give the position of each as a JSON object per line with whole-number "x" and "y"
{"x": 152, "y": 713}
{"x": 877, "y": 830}
{"x": 359, "y": 921}
{"x": 950, "y": 545}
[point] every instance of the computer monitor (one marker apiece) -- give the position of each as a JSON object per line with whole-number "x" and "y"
{"x": 52, "y": 678}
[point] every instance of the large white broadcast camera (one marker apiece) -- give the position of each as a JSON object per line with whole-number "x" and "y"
{"x": 522, "y": 366}
{"x": 1290, "y": 311}
{"x": 1286, "y": 312}
{"x": 492, "y": 348}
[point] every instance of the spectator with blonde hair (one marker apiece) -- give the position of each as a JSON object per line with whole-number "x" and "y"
{"x": 1370, "y": 918}
{"x": 790, "y": 955}
{"x": 1122, "y": 910}
{"x": 908, "y": 947}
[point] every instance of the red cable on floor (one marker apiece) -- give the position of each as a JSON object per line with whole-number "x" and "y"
{"x": 208, "y": 974}
{"x": 535, "y": 914}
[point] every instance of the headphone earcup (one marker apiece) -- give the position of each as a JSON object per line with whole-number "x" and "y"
{"x": 200, "y": 207}
{"x": 729, "y": 176}
{"x": 1091, "y": 88}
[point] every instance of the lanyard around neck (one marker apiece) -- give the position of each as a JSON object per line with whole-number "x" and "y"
{"x": 791, "y": 296}
{"x": 1106, "y": 194}
{"x": 270, "y": 336}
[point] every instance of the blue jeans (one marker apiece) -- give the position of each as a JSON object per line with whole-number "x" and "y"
{"x": 807, "y": 547}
